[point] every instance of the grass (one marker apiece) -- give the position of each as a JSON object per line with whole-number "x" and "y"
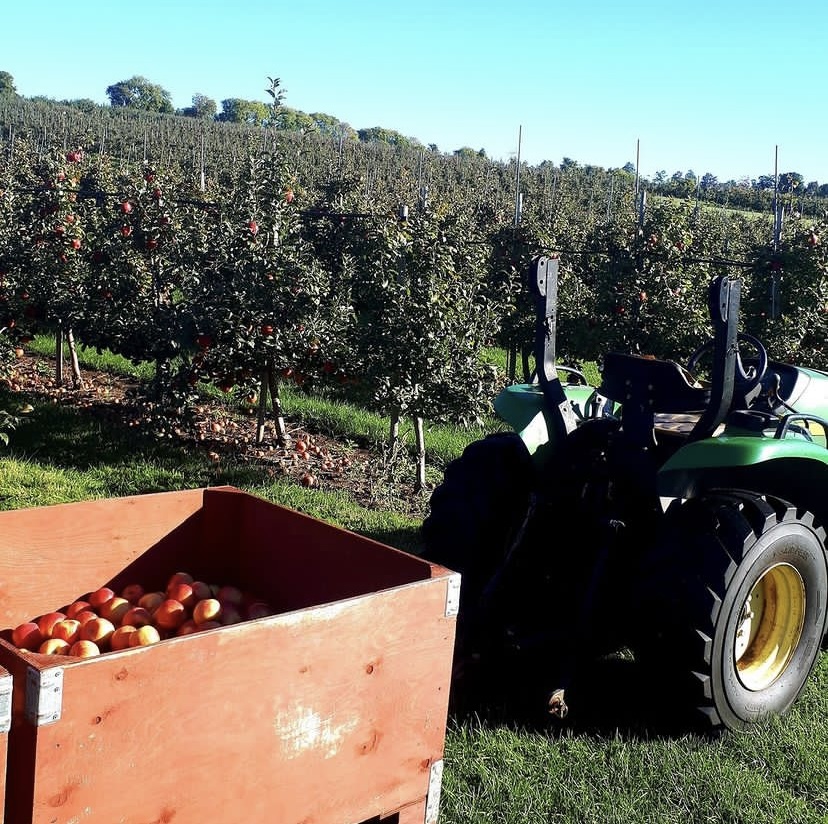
{"x": 614, "y": 762}
{"x": 775, "y": 773}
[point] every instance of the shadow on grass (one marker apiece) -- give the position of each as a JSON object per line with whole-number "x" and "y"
{"x": 611, "y": 696}
{"x": 68, "y": 438}
{"x": 404, "y": 538}
{"x": 128, "y": 459}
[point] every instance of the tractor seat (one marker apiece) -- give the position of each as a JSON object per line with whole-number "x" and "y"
{"x": 647, "y": 383}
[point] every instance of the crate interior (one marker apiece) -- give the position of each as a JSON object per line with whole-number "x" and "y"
{"x": 288, "y": 558}
{"x": 54, "y": 555}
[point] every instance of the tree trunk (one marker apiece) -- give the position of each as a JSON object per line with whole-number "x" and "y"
{"x": 278, "y": 414}
{"x": 59, "y": 356}
{"x": 419, "y": 441}
{"x": 393, "y": 437}
{"x": 512, "y": 361}
{"x": 526, "y": 354}
{"x": 260, "y": 420}
{"x": 161, "y": 367}
{"x": 77, "y": 380}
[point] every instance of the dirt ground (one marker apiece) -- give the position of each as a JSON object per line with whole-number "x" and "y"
{"x": 226, "y": 433}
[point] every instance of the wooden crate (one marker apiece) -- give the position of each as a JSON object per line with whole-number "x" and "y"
{"x": 332, "y": 711}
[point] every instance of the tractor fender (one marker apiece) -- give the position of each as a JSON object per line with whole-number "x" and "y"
{"x": 793, "y": 468}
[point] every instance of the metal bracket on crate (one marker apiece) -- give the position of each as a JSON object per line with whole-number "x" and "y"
{"x": 435, "y": 784}
{"x": 453, "y": 596}
{"x": 5, "y": 703}
{"x": 44, "y": 695}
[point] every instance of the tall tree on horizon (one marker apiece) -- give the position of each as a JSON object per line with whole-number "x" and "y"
{"x": 203, "y": 108}
{"x": 140, "y": 93}
{"x": 7, "y": 84}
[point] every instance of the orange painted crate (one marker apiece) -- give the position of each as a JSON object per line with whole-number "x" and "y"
{"x": 332, "y": 711}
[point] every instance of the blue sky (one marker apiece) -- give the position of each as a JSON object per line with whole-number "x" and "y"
{"x": 729, "y": 87}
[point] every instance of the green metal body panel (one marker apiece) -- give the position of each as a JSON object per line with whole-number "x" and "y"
{"x": 522, "y": 406}
{"x": 810, "y": 393}
{"x": 745, "y": 450}
{"x": 722, "y": 459}
{"x": 735, "y": 456}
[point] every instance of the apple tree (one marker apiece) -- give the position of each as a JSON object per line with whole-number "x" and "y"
{"x": 786, "y": 305}
{"x": 512, "y": 248}
{"x": 53, "y": 276}
{"x": 134, "y": 277}
{"x": 264, "y": 308}
{"x": 423, "y": 320}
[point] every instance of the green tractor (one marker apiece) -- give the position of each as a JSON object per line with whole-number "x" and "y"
{"x": 675, "y": 511}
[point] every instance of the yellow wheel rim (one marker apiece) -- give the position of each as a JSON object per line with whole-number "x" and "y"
{"x": 770, "y": 626}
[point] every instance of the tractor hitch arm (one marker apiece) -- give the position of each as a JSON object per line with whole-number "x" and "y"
{"x": 543, "y": 283}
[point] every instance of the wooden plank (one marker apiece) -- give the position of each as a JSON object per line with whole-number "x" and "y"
{"x": 307, "y": 561}
{"x": 410, "y": 814}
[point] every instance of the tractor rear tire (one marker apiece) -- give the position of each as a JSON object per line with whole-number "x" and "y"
{"x": 478, "y": 510}
{"x": 735, "y": 608}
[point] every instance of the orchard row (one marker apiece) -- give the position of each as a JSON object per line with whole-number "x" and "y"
{"x": 255, "y": 277}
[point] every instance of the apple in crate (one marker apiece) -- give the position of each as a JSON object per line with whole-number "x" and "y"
{"x": 47, "y": 622}
{"x": 27, "y": 636}
{"x": 67, "y": 630}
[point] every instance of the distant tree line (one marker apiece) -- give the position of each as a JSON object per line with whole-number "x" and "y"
{"x": 141, "y": 95}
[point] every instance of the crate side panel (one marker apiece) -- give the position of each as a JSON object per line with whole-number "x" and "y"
{"x": 51, "y": 555}
{"x": 332, "y": 714}
{"x": 299, "y": 560}
{"x": 207, "y": 546}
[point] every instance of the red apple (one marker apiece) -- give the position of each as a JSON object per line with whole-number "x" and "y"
{"x": 208, "y": 609}
{"x": 136, "y": 617}
{"x": 258, "y": 609}
{"x": 67, "y": 630}
{"x": 97, "y": 598}
{"x": 183, "y": 593}
{"x": 228, "y": 594}
{"x": 114, "y": 609}
{"x": 47, "y": 622}
{"x": 75, "y": 607}
{"x": 179, "y": 578}
{"x": 201, "y": 590}
{"x": 54, "y": 646}
{"x": 27, "y": 636}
